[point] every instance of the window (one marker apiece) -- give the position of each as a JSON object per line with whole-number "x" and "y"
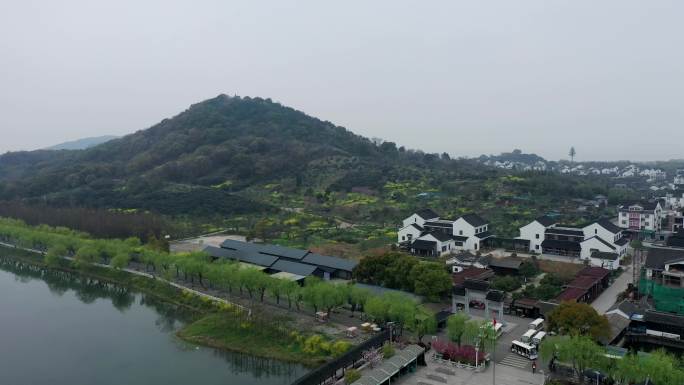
{"x": 403, "y": 238}
{"x": 536, "y": 236}
{"x": 595, "y": 231}
{"x": 536, "y": 247}
{"x": 460, "y": 232}
{"x": 443, "y": 248}
{"x": 476, "y": 246}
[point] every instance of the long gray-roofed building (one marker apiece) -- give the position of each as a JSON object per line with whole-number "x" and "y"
{"x": 284, "y": 259}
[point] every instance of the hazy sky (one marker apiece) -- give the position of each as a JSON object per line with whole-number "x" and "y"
{"x": 462, "y": 77}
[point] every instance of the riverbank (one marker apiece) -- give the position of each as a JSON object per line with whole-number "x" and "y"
{"x": 213, "y": 324}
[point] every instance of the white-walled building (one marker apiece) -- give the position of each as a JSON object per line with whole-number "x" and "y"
{"x": 425, "y": 230}
{"x": 420, "y": 217}
{"x": 409, "y": 233}
{"x": 546, "y": 237}
{"x": 472, "y": 229}
{"x": 433, "y": 245}
{"x": 641, "y": 216}
{"x": 534, "y": 232}
{"x": 606, "y": 260}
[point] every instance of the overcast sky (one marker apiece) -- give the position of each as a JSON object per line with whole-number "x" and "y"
{"x": 463, "y": 77}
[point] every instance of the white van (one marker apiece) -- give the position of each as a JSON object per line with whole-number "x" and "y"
{"x": 537, "y": 339}
{"x": 537, "y": 324}
{"x": 527, "y": 337}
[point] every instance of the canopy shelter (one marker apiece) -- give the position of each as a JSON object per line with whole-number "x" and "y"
{"x": 403, "y": 361}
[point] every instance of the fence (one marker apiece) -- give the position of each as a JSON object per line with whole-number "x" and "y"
{"x": 329, "y": 371}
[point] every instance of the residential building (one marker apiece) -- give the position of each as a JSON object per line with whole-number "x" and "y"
{"x": 433, "y": 244}
{"x": 640, "y": 216}
{"x": 472, "y": 230}
{"x": 662, "y": 278}
{"x": 420, "y": 217}
{"x": 535, "y": 231}
{"x": 545, "y": 236}
{"x": 425, "y": 233}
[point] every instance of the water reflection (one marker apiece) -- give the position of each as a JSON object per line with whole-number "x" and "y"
{"x": 169, "y": 317}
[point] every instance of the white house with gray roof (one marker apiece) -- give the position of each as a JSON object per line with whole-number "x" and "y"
{"x": 436, "y": 235}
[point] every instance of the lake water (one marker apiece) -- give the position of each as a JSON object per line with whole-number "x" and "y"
{"x": 58, "y": 328}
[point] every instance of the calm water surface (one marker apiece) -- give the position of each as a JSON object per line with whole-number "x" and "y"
{"x": 57, "y": 328}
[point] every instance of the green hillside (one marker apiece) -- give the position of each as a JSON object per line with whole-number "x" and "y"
{"x": 294, "y": 175}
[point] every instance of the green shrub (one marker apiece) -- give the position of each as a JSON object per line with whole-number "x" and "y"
{"x": 387, "y": 351}
{"x": 351, "y": 376}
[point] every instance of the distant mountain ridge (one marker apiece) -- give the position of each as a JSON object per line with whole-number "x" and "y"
{"x": 82, "y": 144}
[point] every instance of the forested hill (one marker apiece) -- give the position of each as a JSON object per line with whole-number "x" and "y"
{"x": 202, "y": 159}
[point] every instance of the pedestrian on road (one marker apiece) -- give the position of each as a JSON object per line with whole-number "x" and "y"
{"x": 534, "y": 367}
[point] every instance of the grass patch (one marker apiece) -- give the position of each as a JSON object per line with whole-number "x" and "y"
{"x": 226, "y": 331}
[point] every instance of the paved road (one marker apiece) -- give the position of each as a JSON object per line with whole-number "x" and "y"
{"x": 607, "y": 299}
{"x": 505, "y": 375}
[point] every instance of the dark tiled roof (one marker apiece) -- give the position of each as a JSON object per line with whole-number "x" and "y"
{"x": 459, "y": 238}
{"x": 545, "y": 220}
{"x": 238, "y": 245}
{"x": 471, "y": 273}
{"x": 648, "y": 206}
{"x": 474, "y": 220}
{"x": 506, "y": 263}
{"x": 440, "y": 236}
{"x": 420, "y": 244}
{"x": 571, "y": 294}
{"x": 601, "y": 240}
{"x": 664, "y": 318}
{"x": 218, "y": 252}
{"x": 657, "y": 258}
{"x": 474, "y": 284}
{"x": 248, "y": 256}
{"x": 627, "y": 307}
{"x": 330, "y": 262}
{"x": 444, "y": 225}
{"x": 427, "y": 214}
{"x": 294, "y": 267}
{"x": 484, "y": 235}
{"x": 528, "y": 303}
{"x": 604, "y": 255}
{"x": 594, "y": 271}
{"x": 622, "y": 241}
{"x": 571, "y": 232}
{"x": 280, "y": 251}
{"x": 495, "y": 295}
{"x": 415, "y": 225}
{"x": 564, "y": 245}
{"x": 610, "y": 226}
{"x": 546, "y": 307}
{"x": 466, "y": 256}
{"x": 584, "y": 282}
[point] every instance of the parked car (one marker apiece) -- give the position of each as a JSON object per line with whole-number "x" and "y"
{"x": 477, "y": 304}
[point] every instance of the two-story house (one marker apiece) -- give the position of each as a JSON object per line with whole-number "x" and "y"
{"x": 534, "y": 232}
{"x": 472, "y": 230}
{"x": 412, "y": 227}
